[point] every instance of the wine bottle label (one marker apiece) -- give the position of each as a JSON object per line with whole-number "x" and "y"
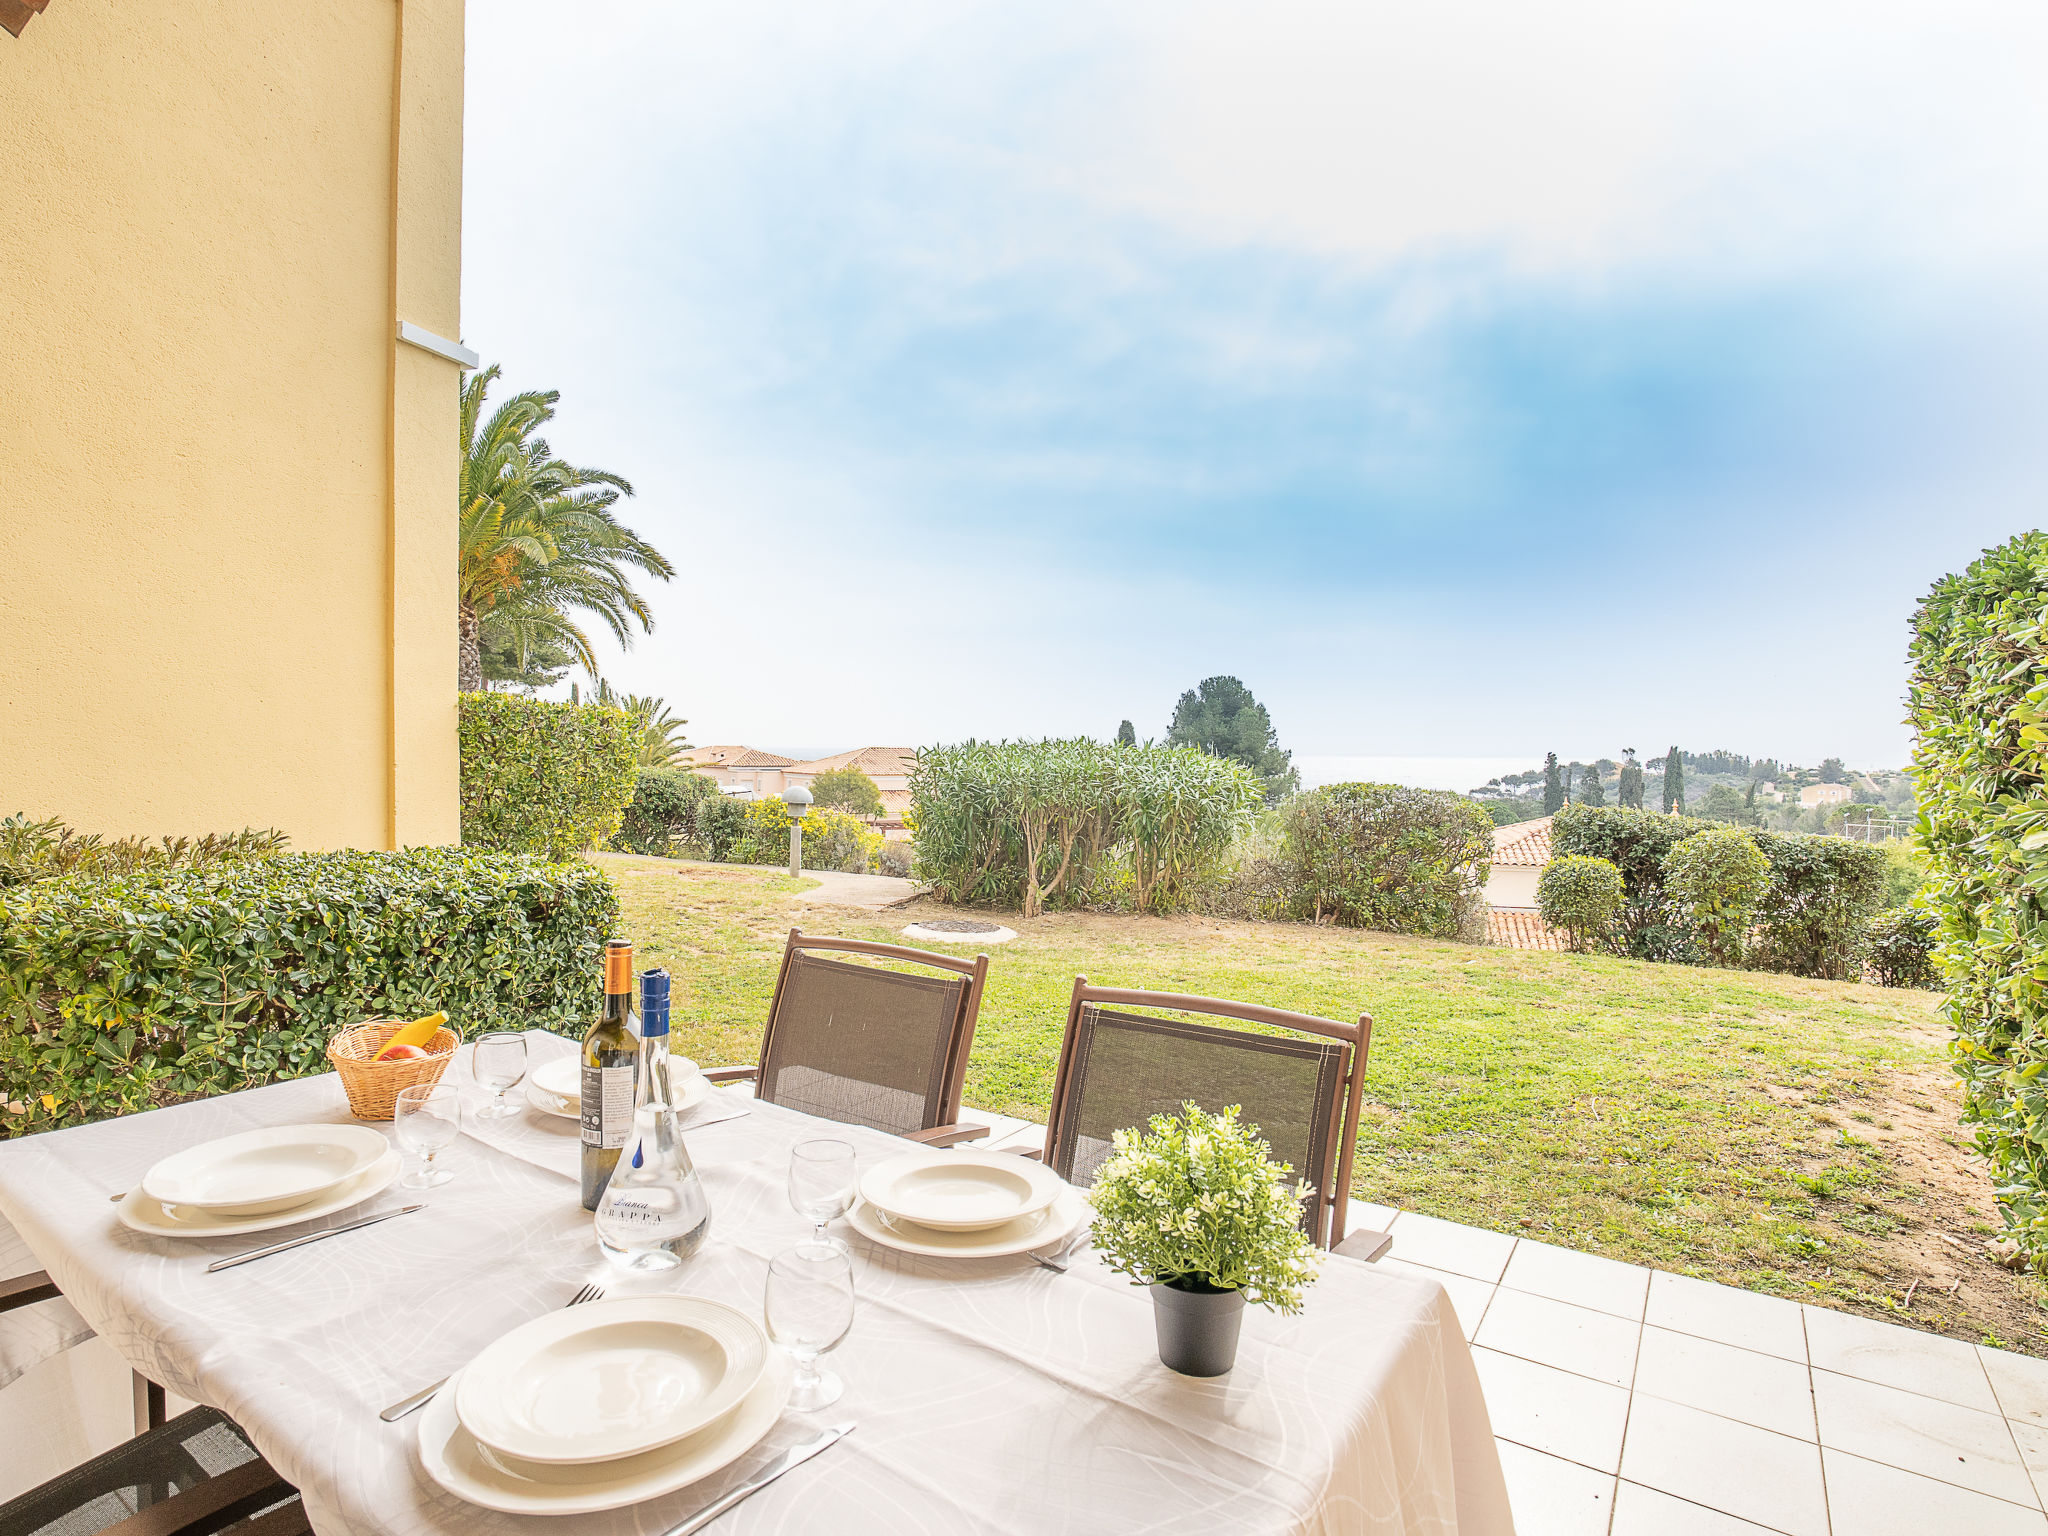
{"x": 607, "y": 1107}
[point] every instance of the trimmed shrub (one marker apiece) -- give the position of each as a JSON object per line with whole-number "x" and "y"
{"x": 1814, "y": 919}
{"x": 718, "y": 825}
{"x": 125, "y": 993}
{"x": 541, "y": 777}
{"x": 661, "y": 813}
{"x": 1389, "y": 857}
{"x": 1581, "y": 896}
{"x": 1026, "y": 824}
{"x": 1978, "y": 701}
{"x": 847, "y": 789}
{"x": 1900, "y": 950}
{"x": 1635, "y": 842}
{"x": 42, "y": 850}
{"x": 1717, "y": 878}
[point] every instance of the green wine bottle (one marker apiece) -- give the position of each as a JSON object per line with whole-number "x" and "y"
{"x": 611, "y": 1061}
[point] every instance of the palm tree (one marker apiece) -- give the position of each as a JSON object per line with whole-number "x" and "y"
{"x": 659, "y": 729}
{"x": 538, "y": 537}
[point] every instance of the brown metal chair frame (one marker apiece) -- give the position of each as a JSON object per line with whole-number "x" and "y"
{"x": 1332, "y": 1184}
{"x": 949, "y": 1132}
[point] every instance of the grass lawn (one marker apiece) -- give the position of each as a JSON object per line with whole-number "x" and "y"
{"x": 1792, "y": 1136}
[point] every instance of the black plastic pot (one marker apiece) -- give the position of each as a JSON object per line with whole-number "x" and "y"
{"x": 1197, "y": 1329}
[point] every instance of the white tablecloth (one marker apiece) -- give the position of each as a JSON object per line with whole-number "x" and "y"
{"x": 991, "y": 1396}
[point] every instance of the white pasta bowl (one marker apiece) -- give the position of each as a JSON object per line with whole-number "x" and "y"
{"x": 258, "y": 1172}
{"x": 960, "y": 1191}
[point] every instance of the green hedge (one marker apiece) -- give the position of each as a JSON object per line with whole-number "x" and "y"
{"x": 663, "y": 811}
{"x": 541, "y": 777}
{"x": 1388, "y": 857}
{"x": 1978, "y": 701}
{"x": 117, "y": 994}
{"x": 1581, "y": 896}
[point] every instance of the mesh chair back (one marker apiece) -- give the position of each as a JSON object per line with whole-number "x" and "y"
{"x": 863, "y": 1045}
{"x": 1121, "y": 1069}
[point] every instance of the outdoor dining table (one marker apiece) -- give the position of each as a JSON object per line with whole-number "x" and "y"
{"x": 991, "y": 1396}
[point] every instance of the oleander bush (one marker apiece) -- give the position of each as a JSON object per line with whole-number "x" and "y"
{"x": 1388, "y": 857}
{"x": 662, "y": 812}
{"x": 1581, "y": 896}
{"x": 1039, "y": 824}
{"x": 542, "y": 777}
{"x": 1717, "y": 878}
{"x": 123, "y": 992}
{"x": 1978, "y": 701}
{"x": 1900, "y": 951}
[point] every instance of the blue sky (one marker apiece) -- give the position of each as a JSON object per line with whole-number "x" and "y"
{"x": 1472, "y": 383}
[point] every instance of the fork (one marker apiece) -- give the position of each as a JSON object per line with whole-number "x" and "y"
{"x": 1058, "y": 1262}
{"x": 421, "y": 1398}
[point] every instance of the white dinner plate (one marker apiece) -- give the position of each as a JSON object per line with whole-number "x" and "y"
{"x": 562, "y": 1077}
{"x": 545, "y": 1097}
{"x": 262, "y": 1171}
{"x": 474, "y": 1472}
{"x": 610, "y": 1379}
{"x": 961, "y": 1191}
{"x": 1049, "y": 1226}
{"x": 143, "y": 1214}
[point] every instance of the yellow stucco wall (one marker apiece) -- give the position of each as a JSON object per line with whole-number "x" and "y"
{"x": 227, "y": 559}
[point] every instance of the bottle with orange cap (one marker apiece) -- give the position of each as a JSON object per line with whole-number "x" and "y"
{"x": 611, "y": 1061}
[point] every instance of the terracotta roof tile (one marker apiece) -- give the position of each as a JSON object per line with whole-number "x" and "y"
{"x": 736, "y": 757}
{"x": 1523, "y": 930}
{"x": 1526, "y": 842}
{"x": 869, "y": 760}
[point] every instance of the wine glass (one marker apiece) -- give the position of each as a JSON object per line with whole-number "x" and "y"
{"x": 821, "y": 1181}
{"x": 809, "y": 1308}
{"x": 498, "y": 1061}
{"x": 427, "y": 1118}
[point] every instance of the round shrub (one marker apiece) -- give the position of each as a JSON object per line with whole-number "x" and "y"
{"x": 1718, "y": 877}
{"x": 661, "y": 809}
{"x": 847, "y": 789}
{"x": 1388, "y": 857}
{"x": 1581, "y": 896}
{"x": 1901, "y": 949}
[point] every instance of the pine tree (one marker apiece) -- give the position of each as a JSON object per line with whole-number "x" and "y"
{"x": 1126, "y": 735}
{"x": 1553, "y": 785}
{"x": 1590, "y": 792}
{"x": 1674, "y": 783}
{"x": 1629, "y": 790}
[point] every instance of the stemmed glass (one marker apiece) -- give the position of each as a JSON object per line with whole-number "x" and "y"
{"x": 821, "y": 1182}
{"x": 809, "y": 1308}
{"x": 498, "y": 1061}
{"x": 427, "y": 1118}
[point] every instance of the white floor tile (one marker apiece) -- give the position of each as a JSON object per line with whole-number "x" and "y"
{"x": 1363, "y": 1213}
{"x": 1552, "y": 1410}
{"x": 1867, "y": 1499}
{"x": 1898, "y": 1357}
{"x": 1471, "y": 1251}
{"x": 1469, "y": 1297}
{"x": 1640, "y": 1511}
{"x": 1736, "y": 1383}
{"x": 2020, "y": 1381}
{"x": 1767, "y": 1324}
{"x": 1577, "y": 1339}
{"x": 1738, "y": 1469}
{"x": 2032, "y": 1440}
{"x": 1920, "y": 1434}
{"x": 1583, "y": 1279}
{"x": 1551, "y": 1497}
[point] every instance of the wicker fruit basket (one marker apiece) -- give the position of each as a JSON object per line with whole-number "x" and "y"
{"x": 372, "y": 1087}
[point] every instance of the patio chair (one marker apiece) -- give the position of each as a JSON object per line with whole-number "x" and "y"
{"x": 1119, "y": 1068}
{"x": 196, "y": 1475}
{"x": 882, "y": 1048}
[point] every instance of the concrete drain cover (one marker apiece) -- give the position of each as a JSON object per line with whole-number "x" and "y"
{"x": 959, "y": 930}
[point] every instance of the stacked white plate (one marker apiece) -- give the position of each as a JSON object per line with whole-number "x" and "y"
{"x": 259, "y": 1180}
{"x": 965, "y": 1205}
{"x": 606, "y": 1404}
{"x": 557, "y": 1087}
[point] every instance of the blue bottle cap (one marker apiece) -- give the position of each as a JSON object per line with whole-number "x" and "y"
{"x": 653, "y": 1003}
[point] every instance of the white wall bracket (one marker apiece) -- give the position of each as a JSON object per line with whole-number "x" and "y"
{"x": 440, "y": 346}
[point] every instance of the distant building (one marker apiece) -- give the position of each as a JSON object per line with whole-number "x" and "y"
{"x": 743, "y": 771}
{"x": 1767, "y": 789}
{"x": 1519, "y": 854}
{"x": 749, "y": 773}
{"x": 1824, "y": 794}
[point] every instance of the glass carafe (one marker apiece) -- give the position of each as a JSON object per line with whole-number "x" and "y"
{"x": 654, "y": 1213}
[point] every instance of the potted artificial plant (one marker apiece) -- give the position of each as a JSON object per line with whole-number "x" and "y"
{"x": 1195, "y": 1207}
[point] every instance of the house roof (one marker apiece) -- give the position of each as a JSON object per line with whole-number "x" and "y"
{"x": 1526, "y": 842}
{"x": 736, "y": 757}
{"x": 1522, "y": 930}
{"x": 869, "y": 760}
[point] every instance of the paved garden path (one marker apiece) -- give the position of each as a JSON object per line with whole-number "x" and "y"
{"x": 871, "y": 891}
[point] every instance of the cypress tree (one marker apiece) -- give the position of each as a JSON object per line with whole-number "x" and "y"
{"x": 1553, "y": 785}
{"x": 1126, "y": 735}
{"x": 1629, "y": 789}
{"x": 1590, "y": 792}
{"x": 1674, "y": 782}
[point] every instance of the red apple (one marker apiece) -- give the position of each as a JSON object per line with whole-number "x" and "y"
{"x": 403, "y": 1053}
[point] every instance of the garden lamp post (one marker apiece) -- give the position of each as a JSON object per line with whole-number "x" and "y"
{"x": 797, "y": 799}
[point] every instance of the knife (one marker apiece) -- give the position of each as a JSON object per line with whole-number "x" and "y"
{"x": 310, "y": 1237}
{"x": 794, "y": 1456}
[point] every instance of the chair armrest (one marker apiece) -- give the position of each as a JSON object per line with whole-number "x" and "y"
{"x": 26, "y": 1290}
{"x": 947, "y": 1135}
{"x": 1364, "y": 1244}
{"x": 730, "y": 1074}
